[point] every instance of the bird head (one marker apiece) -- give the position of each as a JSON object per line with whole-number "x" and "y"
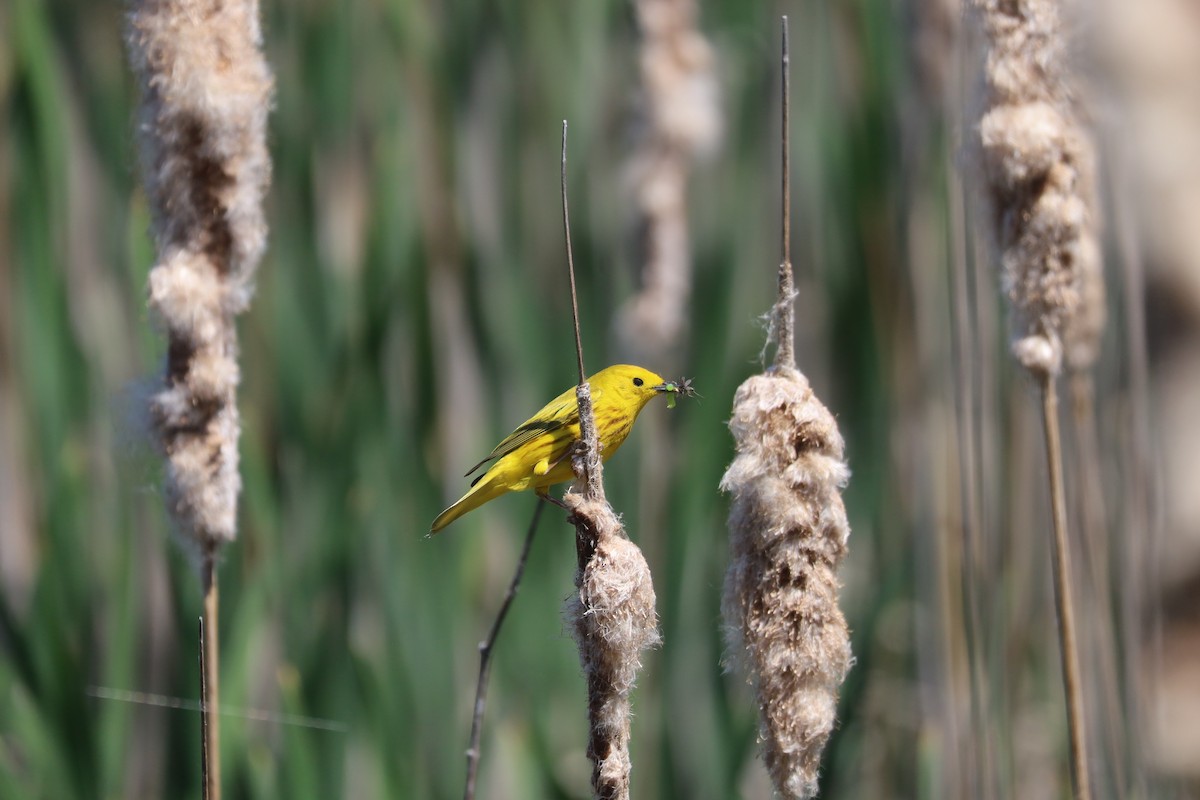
{"x": 634, "y": 385}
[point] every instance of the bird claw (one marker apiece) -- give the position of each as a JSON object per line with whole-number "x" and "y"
{"x": 553, "y": 500}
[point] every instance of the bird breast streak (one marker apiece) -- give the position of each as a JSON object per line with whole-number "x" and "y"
{"x": 612, "y": 435}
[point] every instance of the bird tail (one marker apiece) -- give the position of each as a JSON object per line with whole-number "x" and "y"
{"x": 479, "y": 493}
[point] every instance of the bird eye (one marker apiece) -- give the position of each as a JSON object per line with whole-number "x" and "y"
{"x": 638, "y": 381}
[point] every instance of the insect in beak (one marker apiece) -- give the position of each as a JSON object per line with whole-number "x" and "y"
{"x": 673, "y": 388}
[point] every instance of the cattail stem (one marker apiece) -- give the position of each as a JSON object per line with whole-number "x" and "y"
{"x": 1063, "y": 599}
{"x": 587, "y": 457}
{"x": 210, "y": 692}
{"x": 1092, "y": 517}
{"x": 204, "y": 749}
{"x": 570, "y": 257}
{"x": 485, "y": 656}
{"x": 785, "y": 313}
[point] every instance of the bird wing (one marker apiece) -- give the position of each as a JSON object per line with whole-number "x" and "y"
{"x": 559, "y": 413}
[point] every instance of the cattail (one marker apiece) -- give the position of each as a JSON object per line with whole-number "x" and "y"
{"x": 206, "y": 92}
{"x": 682, "y": 122}
{"x": 1037, "y": 159}
{"x": 787, "y": 536}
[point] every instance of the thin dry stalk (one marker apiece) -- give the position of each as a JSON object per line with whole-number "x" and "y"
{"x": 1082, "y": 335}
{"x": 787, "y": 536}
{"x": 612, "y": 612}
{"x": 205, "y": 747}
{"x": 485, "y": 657}
{"x": 1092, "y": 517}
{"x": 206, "y": 90}
{"x": 1063, "y": 599}
{"x": 783, "y": 315}
{"x": 210, "y": 689}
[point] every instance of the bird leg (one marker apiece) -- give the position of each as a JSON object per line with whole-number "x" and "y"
{"x": 543, "y": 493}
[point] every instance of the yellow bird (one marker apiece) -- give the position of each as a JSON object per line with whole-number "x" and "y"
{"x": 536, "y": 455}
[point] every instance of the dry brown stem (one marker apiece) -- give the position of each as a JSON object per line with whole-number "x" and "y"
{"x": 205, "y": 750}
{"x": 1063, "y": 597}
{"x": 486, "y": 648}
{"x": 210, "y": 689}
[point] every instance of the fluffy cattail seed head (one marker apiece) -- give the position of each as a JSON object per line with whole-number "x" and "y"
{"x": 788, "y": 533}
{"x": 613, "y": 620}
{"x": 206, "y": 91}
{"x": 681, "y": 124}
{"x": 1037, "y": 162}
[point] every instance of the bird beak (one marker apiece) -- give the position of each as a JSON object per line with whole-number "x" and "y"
{"x": 666, "y": 387}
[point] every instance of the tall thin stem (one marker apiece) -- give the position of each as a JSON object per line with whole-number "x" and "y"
{"x": 1091, "y": 515}
{"x": 1063, "y": 600}
{"x": 612, "y": 615}
{"x": 485, "y": 656}
{"x": 588, "y": 454}
{"x": 784, "y": 312}
{"x": 203, "y": 716}
{"x": 209, "y": 681}
{"x": 570, "y": 257}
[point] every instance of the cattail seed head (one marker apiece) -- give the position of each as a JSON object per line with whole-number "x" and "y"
{"x": 1085, "y": 328}
{"x": 206, "y": 91}
{"x": 788, "y": 533}
{"x": 1037, "y": 163}
{"x": 681, "y": 123}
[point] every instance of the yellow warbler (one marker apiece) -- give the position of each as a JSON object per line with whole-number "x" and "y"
{"x": 537, "y": 454}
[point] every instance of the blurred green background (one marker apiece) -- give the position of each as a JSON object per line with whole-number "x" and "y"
{"x": 411, "y": 309}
